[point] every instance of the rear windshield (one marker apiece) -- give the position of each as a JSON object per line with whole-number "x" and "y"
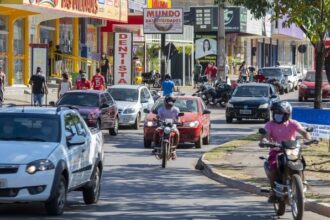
{"x": 185, "y": 105}
{"x": 30, "y": 127}
{"x": 271, "y": 72}
{"x": 80, "y": 99}
{"x": 310, "y": 77}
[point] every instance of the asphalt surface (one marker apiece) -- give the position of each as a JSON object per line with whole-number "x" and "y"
{"x": 134, "y": 185}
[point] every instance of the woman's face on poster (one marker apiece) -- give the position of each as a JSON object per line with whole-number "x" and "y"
{"x": 206, "y": 45}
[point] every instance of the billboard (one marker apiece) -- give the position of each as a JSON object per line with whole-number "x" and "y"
{"x": 206, "y": 48}
{"x": 123, "y": 58}
{"x": 163, "y": 21}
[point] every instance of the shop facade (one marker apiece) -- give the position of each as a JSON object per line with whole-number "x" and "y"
{"x": 74, "y": 26}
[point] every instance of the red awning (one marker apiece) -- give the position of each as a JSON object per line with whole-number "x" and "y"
{"x": 132, "y": 19}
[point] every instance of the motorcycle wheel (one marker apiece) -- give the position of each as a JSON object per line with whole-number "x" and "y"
{"x": 279, "y": 208}
{"x": 297, "y": 206}
{"x": 164, "y": 154}
{"x": 223, "y": 104}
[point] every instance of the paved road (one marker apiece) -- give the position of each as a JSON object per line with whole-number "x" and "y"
{"x": 136, "y": 187}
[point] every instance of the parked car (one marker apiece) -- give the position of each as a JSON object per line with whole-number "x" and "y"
{"x": 276, "y": 74}
{"x": 307, "y": 87}
{"x": 292, "y": 74}
{"x": 97, "y": 108}
{"x": 196, "y": 121}
{"x": 251, "y": 101}
{"x": 48, "y": 153}
{"x": 131, "y": 101}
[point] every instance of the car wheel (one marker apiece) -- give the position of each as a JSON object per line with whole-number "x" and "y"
{"x": 206, "y": 140}
{"x": 137, "y": 122}
{"x": 114, "y": 131}
{"x": 229, "y": 119}
{"x": 147, "y": 143}
{"x": 55, "y": 206}
{"x": 300, "y": 99}
{"x": 199, "y": 142}
{"x": 91, "y": 193}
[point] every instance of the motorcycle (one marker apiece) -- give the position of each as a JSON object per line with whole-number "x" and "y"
{"x": 203, "y": 92}
{"x": 167, "y": 134}
{"x": 152, "y": 78}
{"x": 221, "y": 94}
{"x": 289, "y": 187}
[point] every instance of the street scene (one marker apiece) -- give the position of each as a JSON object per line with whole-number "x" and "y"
{"x": 164, "y": 109}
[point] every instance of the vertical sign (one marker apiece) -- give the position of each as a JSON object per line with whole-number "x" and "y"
{"x": 123, "y": 58}
{"x": 159, "y": 4}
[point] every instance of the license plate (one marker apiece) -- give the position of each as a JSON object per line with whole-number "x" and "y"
{"x": 245, "y": 112}
{"x": 3, "y": 183}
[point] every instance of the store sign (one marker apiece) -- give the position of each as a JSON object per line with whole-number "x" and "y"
{"x": 136, "y": 5}
{"x": 123, "y": 58}
{"x": 206, "y": 48}
{"x": 159, "y": 3}
{"x": 166, "y": 21}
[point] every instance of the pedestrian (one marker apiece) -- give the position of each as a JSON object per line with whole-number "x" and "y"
{"x": 39, "y": 87}
{"x": 98, "y": 82}
{"x": 168, "y": 86}
{"x": 252, "y": 74}
{"x": 105, "y": 67}
{"x": 214, "y": 73}
{"x": 243, "y": 72}
{"x": 208, "y": 72}
{"x": 83, "y": 83}
{"x": 197, "y": 73}
{"x": 2, "y": 85}
{"x": 58, "y": 60}
{"x": 65, "y": 85}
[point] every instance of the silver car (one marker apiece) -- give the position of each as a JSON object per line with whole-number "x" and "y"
{"x": 131, "y": 101}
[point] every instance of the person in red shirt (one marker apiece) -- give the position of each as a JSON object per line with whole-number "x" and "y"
{"x": 83, "y": 83}
{"x": 214, "y": 72}
{"x": 208, "y": 72}
{"x": 98, "y": 81}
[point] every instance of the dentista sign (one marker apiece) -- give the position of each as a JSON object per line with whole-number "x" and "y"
{"x": 123, "y": 58}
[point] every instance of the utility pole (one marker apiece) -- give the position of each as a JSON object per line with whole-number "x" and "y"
{"x": 162, "y": 56}
{"x": 221, "y": 50}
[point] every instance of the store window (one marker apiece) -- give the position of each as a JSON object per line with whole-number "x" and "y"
{"x": 18, "y": 51}
{"x": 47, "y": 30}
{"x": 3, "y": 42}
{"x": 66, "y": 35}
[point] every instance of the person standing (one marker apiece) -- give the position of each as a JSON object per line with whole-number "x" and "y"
{"x": 83, "y": 83}
{"x": 2, "y": 85}
{"x": 197, "y": 72}
{"x": 214, "y": 73}
{"x": 243, "y": 72}
{"x": 98, "y": 82}
{"x": 65, "y": 85}
{"x": 105, "y": 67}
{"x": 168, "y": 86}
{"x": 208, "y": 72}
{"x": 58, "y": 60}
{"x": 39, "y": 87}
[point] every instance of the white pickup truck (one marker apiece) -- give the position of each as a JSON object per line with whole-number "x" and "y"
{"x": 46, "y": 153}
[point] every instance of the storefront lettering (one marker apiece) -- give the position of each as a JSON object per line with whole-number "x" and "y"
{"x": 123, "y": 51}
{"x": 163, "y": 13}
{"x": 90, "y": 6}
{"x": 160, "y": 3}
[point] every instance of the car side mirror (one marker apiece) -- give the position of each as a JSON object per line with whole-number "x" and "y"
{"x": 262, "y": 131}
{"x": 147, "y": 111}
{"x": 52, "y": 103}
{"x": 104, "y": 105}
{"x": 206, "y": 112}
{"x": 76, "y": 140}
{"x": 180, "y": 114}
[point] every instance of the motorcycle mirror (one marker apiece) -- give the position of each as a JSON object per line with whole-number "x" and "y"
{"x": 181, "y": 114}
{"x": 147, "y": 111}
{"x": 262, "y": 131}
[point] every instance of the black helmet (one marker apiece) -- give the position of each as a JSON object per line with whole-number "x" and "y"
{"x": 169, "y": 100}
{"x": 167, "y": 76}
{"x": 283, "y": 108}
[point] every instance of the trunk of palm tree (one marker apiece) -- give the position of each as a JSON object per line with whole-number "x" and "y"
{"x": 320, "y": 54}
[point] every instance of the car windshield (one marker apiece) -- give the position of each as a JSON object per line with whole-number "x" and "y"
{"x": 124, "y": 94}
{"x": 251, "y": 91}
{"x": 185, "y": 105}
{"x": 80, "y": 99}
{"x": 310, "y": 77}
{"x": 287, "y": 71}
{"x": 30, "y": 127}
{"x": 271, "y": 73}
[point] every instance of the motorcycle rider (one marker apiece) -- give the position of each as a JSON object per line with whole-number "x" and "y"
{"x": 282, "y": 128}
{"x": 168, "y": 111}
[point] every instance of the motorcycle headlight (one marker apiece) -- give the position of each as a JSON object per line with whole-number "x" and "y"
{"x": 192, "y": 124}
{"x": 167, "y": 130}
{"x": 303, "y": 86}
{"x": 151, "y": 124}
{"x": 229, "y": 105}
{"x": 293, "y": 154}
{"x": 129, "y": 111}
{"x": 264, "y": 106}
{"x": 39, "y": 165}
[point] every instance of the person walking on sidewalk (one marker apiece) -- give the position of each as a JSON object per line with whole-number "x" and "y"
{"x": 168, "y": 86}
{"x": 98, "y": 81}
{"x": 65, "y": 85}
{"x": 39, "y": 87}
{"x": 208, "y": 72}
{"x": 105, "y": 67}
{"x": 2, "y": 85}
{"x": 197, "y": 73}
{"x": 243, "y": 72}
{"x": 83, "y": 83}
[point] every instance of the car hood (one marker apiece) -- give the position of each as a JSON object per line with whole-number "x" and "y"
{"x": 312, "y": 84}
{"x": 19, "y": 152}
{"x": 123, "y": 105}
{"x": 248, "y": 100}
{"x": 188, "y": 117}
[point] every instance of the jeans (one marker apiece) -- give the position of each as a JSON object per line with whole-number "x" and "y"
{"x": 38, "y": 99}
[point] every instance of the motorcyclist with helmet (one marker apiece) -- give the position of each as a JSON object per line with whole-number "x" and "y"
{"x": 281, "y": 128}
{"x": 168, "y": 111}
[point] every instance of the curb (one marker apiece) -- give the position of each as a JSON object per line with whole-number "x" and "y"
{"x": 208, "y": 170}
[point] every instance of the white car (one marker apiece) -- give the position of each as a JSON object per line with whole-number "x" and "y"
{"x": 46, "y": 153}
{"x": 292, "y": 75}
{"x": 131, "y": 101}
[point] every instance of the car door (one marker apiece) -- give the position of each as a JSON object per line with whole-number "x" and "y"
{"x": 75, "y": 153}
{"x": 112, "y": 108}
{"x": 148, "y": 95}
{"x": 144, "y": 100}
{"x": 105, "y": 112}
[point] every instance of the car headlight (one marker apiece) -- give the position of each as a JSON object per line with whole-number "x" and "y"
{"x": 303, "y": 86}
{"x": 151, "y": 124}
{"x": 264, "y": 106}
{"x": 129, "y": 111}
{"x": 293, "y": 154}
{"x": 39, "y": 165}
{"x": 229, "y": 105}
{"x": 167, "y": 130}
{"x": 192, "y": 124}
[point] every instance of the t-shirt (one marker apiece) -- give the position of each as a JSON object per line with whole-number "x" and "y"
{"x": 214, "y": 71}
{"x": 38, "y": 84}
{"x": 197, "y": 69}
{"x": 104, "y": 66}
{"x": 172, "y": 113}
{"x": 168, "y": 87}
{"x": 208, "y": 70}
{"x": 98, "y": 82}
{"x": 82, "y": 85}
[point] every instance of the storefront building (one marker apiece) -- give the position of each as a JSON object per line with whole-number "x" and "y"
{"x": 73, "y": 25}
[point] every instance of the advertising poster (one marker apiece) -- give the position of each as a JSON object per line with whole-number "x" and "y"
{"x": 39, "y": 59}
{"x": 123, "y": 58}
{"x": 206, "y": 48}
{"x": 163, "y": 21}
